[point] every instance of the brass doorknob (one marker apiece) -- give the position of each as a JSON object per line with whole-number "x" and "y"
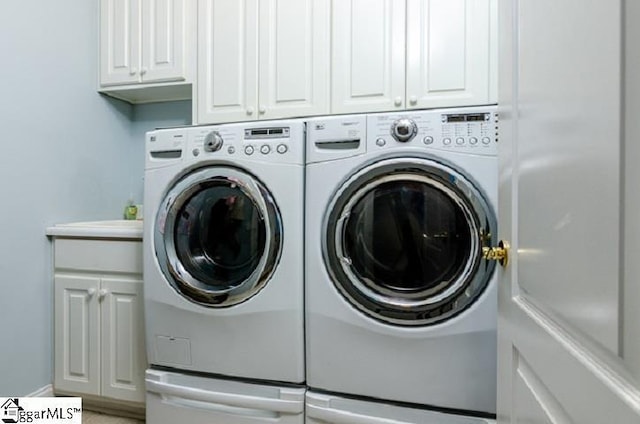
{"x": 499, "y": 253}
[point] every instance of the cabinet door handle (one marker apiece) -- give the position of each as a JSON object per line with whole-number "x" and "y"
{"x": 143, "y": 71}
{"x": 262, "y": 110}
{"x": 102, "y": 294}
{"x": 398, "y": 101}
{"x": 413, "y": 100}
{"x": 91, "y": 292}
{"x": 249, "y": 111}
{"x": 133, "y": 71}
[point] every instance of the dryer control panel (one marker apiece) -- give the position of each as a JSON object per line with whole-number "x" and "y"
{"x": 464, "y": 130}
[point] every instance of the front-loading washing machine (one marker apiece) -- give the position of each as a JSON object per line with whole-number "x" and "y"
{"x": 223, "y": 264}
{"x": 400, "y": 303}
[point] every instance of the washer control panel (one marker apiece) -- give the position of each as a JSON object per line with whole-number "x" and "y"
{"x": 472, "y": 129}
{"x": 465, "y": 130}
{"x": 282, "y": 143}
{"x": 275, "y": 141}
{"x": 268, "y": 140}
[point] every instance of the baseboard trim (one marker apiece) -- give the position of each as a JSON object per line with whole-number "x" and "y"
{"x": 109, "y": 406}
{"x": 46, "y": 391}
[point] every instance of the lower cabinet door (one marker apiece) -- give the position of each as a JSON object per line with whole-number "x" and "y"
{"x": 123, "y": 352}
{"x": 77, "y": 334}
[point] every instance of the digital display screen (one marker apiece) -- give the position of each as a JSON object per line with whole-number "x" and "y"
{"x": 266, "y": 133}
{"x": 456, "y": 118}
{"x": 469, "y": 117}
{"x": 476, "y": 117}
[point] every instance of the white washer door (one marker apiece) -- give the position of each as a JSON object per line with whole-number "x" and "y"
{"x": 403, "y": 241}
{"x": 218, "y": 236}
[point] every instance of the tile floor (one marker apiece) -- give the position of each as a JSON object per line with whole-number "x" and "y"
{"x": 90, "y": 417}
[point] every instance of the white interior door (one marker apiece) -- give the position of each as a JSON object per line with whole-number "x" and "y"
{"x": 569, "y": 202}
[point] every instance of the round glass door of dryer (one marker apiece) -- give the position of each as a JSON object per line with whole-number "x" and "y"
{"x": 218, "y": 236}
{"x": 403, "y": 241}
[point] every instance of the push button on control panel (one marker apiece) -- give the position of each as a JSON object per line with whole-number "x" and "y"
{"x": 446, "y": 141}
{"x": 428, "y": 140}
{"x": 282, "y": 148}
{"x": 265, "y": 149}
{"x": 473, "y": 141}
{"x": 486, "y": 140}
{"x": 231, "y": 150}
{"x": 380, "y": 142}
{"x": 249, "y": 150}
{"x": 459, "y": 141}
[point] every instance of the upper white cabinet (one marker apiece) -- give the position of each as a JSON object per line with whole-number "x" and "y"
{"x": 147, "y": 43}
{"x": 406, "y": 54}
{"x": 267, "y": 59}
{"x": 119, "y": 41}
{"x": 368, "y": 55}
{"x": 262, "y": 59}
{"x": 447, "y": 53}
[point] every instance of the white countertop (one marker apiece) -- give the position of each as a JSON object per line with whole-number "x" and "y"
{"x": 98, "y": 229}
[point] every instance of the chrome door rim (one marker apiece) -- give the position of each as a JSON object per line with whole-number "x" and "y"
{"x": 177, "y": 275}
{"x": 426, "y": 307}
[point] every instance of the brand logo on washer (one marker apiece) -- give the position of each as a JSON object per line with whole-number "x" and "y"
{"x": 319, "y": 126}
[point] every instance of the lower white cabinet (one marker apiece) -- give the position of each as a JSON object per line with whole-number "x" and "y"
{"x": 99, "y": 329}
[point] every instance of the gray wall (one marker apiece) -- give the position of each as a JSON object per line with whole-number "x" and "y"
{"x": 68, "y": 154}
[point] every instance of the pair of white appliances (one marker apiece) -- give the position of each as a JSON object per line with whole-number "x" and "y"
{"x": 368, "y": 249}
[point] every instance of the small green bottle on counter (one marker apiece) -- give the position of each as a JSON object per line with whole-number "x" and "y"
{"x": 130, "y": 211}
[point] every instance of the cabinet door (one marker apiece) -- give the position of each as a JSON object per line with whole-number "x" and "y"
{"x": 77, "y": 330}
{"x": 447, "y": 53}
{"x": 123, "y": 362}
{"x": 163, "y": 40}
{"x": 119, "y": 42}
{"x": 227, "y": 87}
{"x": 368, "y": 55}
{"x": 294, "y": 58}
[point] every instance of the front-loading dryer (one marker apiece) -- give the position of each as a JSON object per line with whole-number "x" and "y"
{"x": 400, "y": 303}
{"x": 223, "y": 250}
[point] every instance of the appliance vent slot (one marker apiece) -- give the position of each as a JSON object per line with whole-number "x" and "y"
{"x": 338, "y": 144}
{"x": 167, "y": 154}
{"x": 262, "y": 133}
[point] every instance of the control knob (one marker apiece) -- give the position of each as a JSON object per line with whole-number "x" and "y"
{"x": 213, "y": 142}
{"x": 404, "y": 130}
